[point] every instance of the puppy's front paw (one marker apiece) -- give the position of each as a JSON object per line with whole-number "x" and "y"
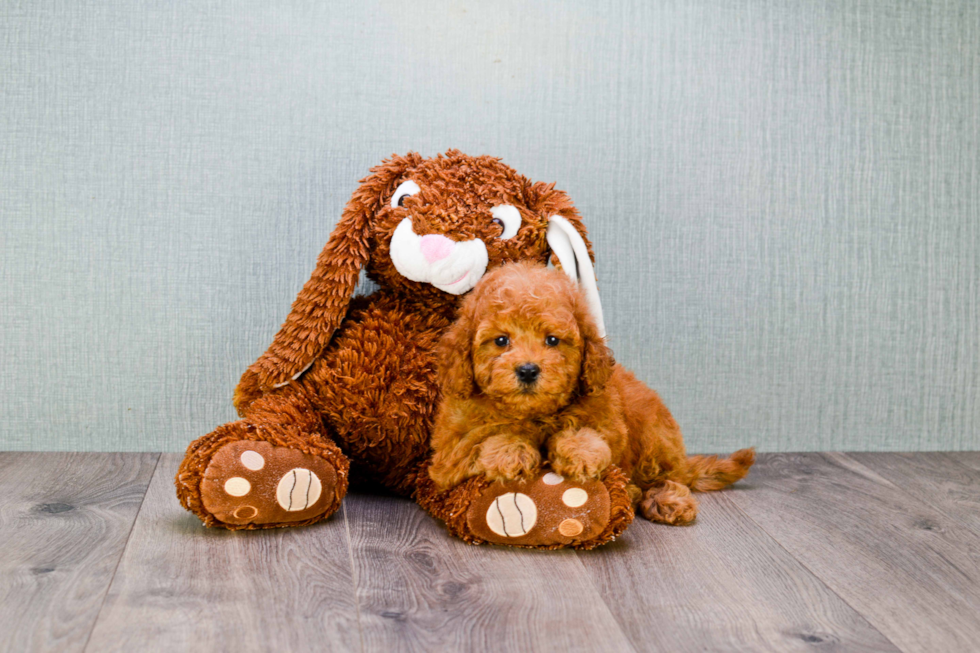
{"x": 508, "y": 458}
{"x": 580, "y": 456}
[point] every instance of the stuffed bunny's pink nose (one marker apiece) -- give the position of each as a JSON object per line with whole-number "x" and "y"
{"x": 435, "y": 247}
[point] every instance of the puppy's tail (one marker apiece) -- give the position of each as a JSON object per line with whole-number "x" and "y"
{"x": 707, "y": 473}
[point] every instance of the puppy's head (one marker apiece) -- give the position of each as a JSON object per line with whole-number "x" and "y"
{"x": 525, "y": 339}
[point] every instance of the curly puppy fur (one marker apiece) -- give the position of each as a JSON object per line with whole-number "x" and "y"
{"x": 525, "y": 375}
{"x": 361, "y": 373}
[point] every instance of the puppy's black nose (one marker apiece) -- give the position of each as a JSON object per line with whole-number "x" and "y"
{"x": 527, "y": 373}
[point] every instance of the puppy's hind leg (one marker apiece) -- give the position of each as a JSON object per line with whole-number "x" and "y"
{"x": 670, "y": 503}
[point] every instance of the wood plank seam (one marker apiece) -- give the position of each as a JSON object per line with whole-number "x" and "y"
{"x": 932, "y": 505}
{"x": 354, "y": 577}
{"x": 949, "y": 458}
{"x": 815, "y": 575}
{"x": 609, "y": 609}
{"x": 122, "y": 552}
{"x": 937, "y": 571}
{"x": 193, "y": 588}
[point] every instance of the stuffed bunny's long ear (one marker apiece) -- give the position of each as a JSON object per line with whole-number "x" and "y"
{"x": 322, "y": 303}
{"x": 568, "y": 245}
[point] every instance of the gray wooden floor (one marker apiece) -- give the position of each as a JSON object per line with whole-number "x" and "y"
{"x": 812, "y": 552}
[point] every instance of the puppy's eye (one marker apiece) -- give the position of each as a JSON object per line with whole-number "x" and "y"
{"x": 551, "y": 341}
{"x": 509, "y": 219}
{"x": 501, "y": 341}
{"x": 405, "y": 189}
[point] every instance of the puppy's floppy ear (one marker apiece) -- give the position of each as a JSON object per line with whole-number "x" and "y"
{"x": 322, "y": 303}
{"x": 455, "y": 354}
{"x": 597, "y": 358}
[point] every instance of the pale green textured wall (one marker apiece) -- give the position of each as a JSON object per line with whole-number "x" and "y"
{"x": 783, "y": 197}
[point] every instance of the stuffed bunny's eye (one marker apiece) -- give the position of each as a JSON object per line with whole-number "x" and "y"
{"x": 509, "y": 218}
{"x": 405, "y": 189}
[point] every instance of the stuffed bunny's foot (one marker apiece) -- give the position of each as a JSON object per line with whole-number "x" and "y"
{"x": 547, "y": 512}
{"x": 249, "y": 482}
{"x": 239, "y": 477}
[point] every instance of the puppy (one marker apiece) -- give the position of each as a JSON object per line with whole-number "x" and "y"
{"x": 525, "y": 377}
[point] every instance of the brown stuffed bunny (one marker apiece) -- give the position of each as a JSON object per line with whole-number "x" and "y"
{"x": 348, "y": 385}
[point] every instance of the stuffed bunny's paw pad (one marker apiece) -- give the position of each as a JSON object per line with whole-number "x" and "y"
{"x": 255, "y": 483}
{"x": 547, "y": 511}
